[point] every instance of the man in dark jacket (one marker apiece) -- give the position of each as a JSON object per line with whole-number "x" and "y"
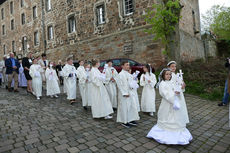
{"x": 12, "y": 67}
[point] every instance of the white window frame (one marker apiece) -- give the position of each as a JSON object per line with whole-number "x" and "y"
{"x": 124, "y": 8}
{"x": 48, "y": 5}
{"x": 12, "y": 7}
{"x": 36, "y": 38}
{"x": 35, "y": 12}
{"x": 73, "y": 27}
{"x": 48, "y": 32}
{"x": 99, "y": 14}
{"x": 3, "y": 30}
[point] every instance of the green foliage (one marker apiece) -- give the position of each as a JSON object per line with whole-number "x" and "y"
{"x": 217, "y": 20}
{"x": 163, "y": 17}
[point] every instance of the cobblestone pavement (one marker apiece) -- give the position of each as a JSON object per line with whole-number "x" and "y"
{"x": 53, "y": 125}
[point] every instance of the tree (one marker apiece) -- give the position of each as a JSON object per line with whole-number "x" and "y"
{"x": 163, "y": 18}
{"x": 217, "y": 21}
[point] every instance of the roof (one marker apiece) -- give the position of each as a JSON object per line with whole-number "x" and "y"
{"x": 2, "y": 1}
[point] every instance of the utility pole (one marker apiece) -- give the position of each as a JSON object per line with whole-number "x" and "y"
{"x": 43, "y": 26}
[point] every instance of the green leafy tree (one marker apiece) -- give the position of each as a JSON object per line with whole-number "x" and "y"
{"x": 217, "y": 21}
{"x": 163, "y": 18}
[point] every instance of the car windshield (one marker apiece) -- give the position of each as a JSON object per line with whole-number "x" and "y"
{"x": 116, "y": 62}
{"x": 102, "y": 64}
{"x": 133, "y": 63}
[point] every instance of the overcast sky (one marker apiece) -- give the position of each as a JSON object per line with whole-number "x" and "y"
{"x": 207, "y": 4}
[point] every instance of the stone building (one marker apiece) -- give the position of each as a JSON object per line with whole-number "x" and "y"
{"x": 92, "y": 28}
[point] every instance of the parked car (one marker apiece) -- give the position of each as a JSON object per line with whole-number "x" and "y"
{"x": 135, "y": 66}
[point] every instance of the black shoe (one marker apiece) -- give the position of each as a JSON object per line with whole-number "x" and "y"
{"x": 221, "y": 104}
{"x": 85, "y": 108}
{"x": 133, "y": 123}
{"x": 127, "y": 125}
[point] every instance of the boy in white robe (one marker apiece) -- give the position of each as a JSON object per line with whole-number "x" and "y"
{"x": 171, "y": 127}
{"x": 70, "y": 81}
{"x": 172, "y": 65}
{"x": 127, "y": 113}
{"x": 101, "y": 105}
{"x": 36, "y": 73}
{"x": 110, "y": 83}
{"x": 82, "y": 76}
{"x": 52, "y": 86}
{"x": 148, "y": 81}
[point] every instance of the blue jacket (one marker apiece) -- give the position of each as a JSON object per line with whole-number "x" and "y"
{"x": 9, "y": 67}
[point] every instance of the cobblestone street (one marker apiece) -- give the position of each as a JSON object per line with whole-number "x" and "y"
{"x": 53, "y": 125}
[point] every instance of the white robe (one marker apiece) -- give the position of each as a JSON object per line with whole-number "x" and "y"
{"x": 127, "y": 109}
{"x": 88, "y": 90}
{"x": 3, "y": 71}
{"x": 70, "y": 83}
{"x": 111, "y": 86}
{"x": 41, "y": 63}
{"x": 133, "y": 91}
{"x": 148, "y": 94}
{"x": 22, "y": 82}
{"x": 35, "y": 72}
{"x": 182, "y": 99}
{"x": 101, "y": 105}
{"x": 82, "y": 76}
{"x": 52, "y": 86}
{"x": 170, "y": 127}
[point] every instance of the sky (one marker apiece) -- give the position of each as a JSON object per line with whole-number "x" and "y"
{"x": 207, "y": 4}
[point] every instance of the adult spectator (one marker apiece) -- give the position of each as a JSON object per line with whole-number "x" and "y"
{"x": 26, "y": 63}
{"x": 12, "y": 67}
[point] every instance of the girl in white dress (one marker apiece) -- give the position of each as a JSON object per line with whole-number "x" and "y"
{"x": 35, "y": 73}
{"x": 148, "y": 81}
{"x": 22, "y": 82}
{"x": 171, "y": 126}
{"x": 172, "y": 65}
{"x": 110, "y": 83}
{"x": 52, "y": 85}
{"x": 101, "y": 105}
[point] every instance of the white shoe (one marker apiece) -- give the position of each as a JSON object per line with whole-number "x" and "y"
{"x": 56, "y": 96}
{"x": 38, "y": 98}
{"x": 108, "y": 117}
{"x": 151, "y": 114}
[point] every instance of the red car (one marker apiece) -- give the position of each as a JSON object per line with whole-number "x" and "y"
{"x": 135, "y": 66}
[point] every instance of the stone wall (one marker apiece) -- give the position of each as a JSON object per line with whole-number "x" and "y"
{"x": 120, "y": 36}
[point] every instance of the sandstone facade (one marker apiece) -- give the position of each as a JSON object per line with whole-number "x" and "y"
{"x": 117, "y": 33}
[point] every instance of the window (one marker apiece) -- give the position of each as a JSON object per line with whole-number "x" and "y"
{"x": 100, "y": 13}
{"x": 128, "y": 7}
{"x": 35, "y": 38}
{"x": 11, "y": 7}
{"x": 4, "y": 49}
{"x": 13, "y": 46}
{"x": 3, "y": 30}
{"x": 71, "y": 24}
{"x": 34, "y": 12}
{"x": 23, "y": 18}
{"x": 24, "y": 43}
{"x": 22, "y": 3}
{"x": 133, "y": 63}
{"x": 12, "y": 24}
{"x": 116, "y": 62}
{"x": 50, "y": 33}
{"x": 48, "y": 5}
{"x": 2, "y": 13}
